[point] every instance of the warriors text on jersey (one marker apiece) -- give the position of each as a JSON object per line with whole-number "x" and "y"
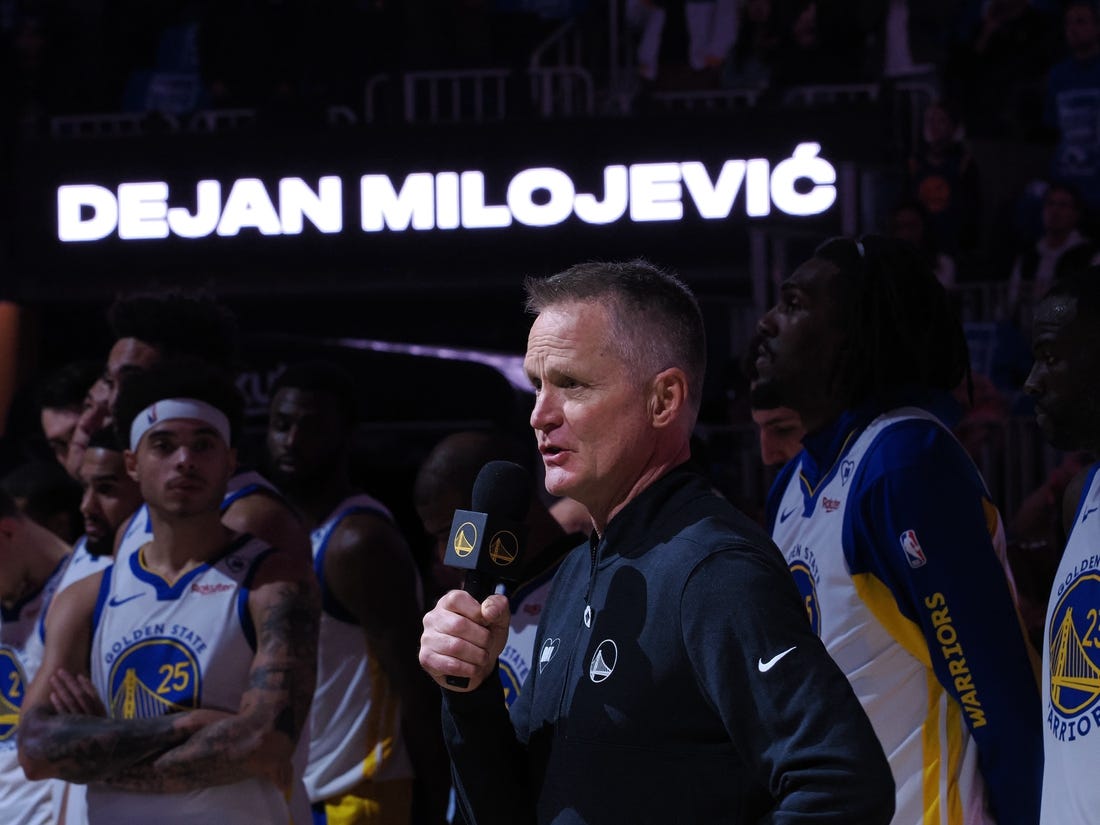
{"x": 1071, "y": 673}
{"x": 889, "y": 533}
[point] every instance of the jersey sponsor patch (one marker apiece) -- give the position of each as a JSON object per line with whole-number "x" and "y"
{"x": 914, "y": 553}
{"x": 152, "y": 678}
{"x": 12, "y": 686}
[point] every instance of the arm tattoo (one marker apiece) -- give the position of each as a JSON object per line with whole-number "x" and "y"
{"x": 90, "y": 748}
{"x": 277, "y": 701}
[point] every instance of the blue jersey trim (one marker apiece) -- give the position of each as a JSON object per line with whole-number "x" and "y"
{"x": 329, "y": 602}
{"x": 248, "y": 627}
{"x": 101, "y": 599}
{"x": 49, "y": 596}
{"x": 169, "y": 591}
{"x": 1085, "y": 493}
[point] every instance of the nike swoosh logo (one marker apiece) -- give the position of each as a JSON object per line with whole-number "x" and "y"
{"x": 784, "y": 516}
{"x": 764, "y": 667}
{"x": 1088, "y": 513}
{"x": 115, "y": 601}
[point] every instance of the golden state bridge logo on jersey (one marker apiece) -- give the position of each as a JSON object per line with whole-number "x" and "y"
{"x": 1075, "y": 659}
{"x": 12, "y": 686}
{"x": 152, "y": 678}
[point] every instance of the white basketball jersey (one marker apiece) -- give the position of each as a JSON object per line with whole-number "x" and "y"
{"x": 22, "y": 802}
{"x": 518, "y": 657}
{"x": 355, "y": 720}
{"x": 1071, "y": 674}
{"x": 70, "y": 800}
{"x": 882, "y": 652}
{"x": 82, "y": 564}
{"x": 160, "y": 647}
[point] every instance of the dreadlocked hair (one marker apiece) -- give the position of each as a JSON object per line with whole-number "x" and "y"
{"x": 902, "y": 329}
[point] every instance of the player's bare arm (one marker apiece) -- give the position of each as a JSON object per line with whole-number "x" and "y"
{"x": 82, "y": 747}
{"x": 269, "y": 518}
{"x": 369, "y": 569}
{"x": 259, "y": 739}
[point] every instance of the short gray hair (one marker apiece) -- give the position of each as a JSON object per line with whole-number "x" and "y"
{"x": 656, "y": 321}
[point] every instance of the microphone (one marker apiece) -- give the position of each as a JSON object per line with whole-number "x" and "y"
{"x": 487, "y": 540}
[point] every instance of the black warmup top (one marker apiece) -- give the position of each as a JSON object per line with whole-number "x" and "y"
{"x": 678, "y": 681}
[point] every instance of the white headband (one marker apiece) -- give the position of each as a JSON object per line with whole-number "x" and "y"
{"x": 170, "y": 408}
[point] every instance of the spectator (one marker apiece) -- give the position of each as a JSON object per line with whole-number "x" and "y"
{"x": 943, "y": 176}
{"x": 758, "y": 36}
{"x": 911, "y": 223}
{"x": 1061, "y": 248}
{"x": 1003, "y": 51}
{"x": 1071, "y": 106}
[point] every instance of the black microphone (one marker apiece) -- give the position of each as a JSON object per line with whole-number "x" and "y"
{"x": 487, "y": 540}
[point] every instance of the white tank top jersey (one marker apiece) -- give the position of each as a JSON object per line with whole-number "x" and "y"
{"x": 921, "y": 728}
{"x": 69, "y": 800}
{"x": 82, "y": 564}
{"x": 355, "y": 720}
{"x": 21, "y": 644}
{"x": 160, "y": 647}
{"x": 1071, "y": 673}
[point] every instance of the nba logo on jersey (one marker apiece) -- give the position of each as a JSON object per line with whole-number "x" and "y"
{"x": 913, "y": 552}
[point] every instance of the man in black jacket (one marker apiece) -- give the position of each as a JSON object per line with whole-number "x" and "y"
{"x": 677, "y": 678}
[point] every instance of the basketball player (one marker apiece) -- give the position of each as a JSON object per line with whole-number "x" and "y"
{"x": 890, "y": 533}
{"x": 1065, "y": 384}
{"x": 177, "y": 682}
{"x": 32, "y": 560}
{"x": 375, "y": 722}
{"x": 110, "y": 498}
{"x": 150, "y": 327}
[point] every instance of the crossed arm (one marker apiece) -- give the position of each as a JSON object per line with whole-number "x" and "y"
{"x": 182, "y": 751}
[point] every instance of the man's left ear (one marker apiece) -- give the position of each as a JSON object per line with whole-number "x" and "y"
{"x": 232, "y": 461}
{"x": 669, "y": 397}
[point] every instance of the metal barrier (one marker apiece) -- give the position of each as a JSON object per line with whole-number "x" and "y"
{"x": 110, "y": 125}
{"x": 475, "y": 95}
